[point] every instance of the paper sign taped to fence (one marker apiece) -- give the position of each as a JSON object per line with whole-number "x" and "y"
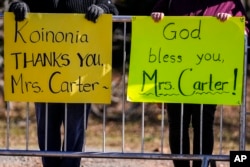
{"x": 57, "y": 58}
{"x": 186, "y": 60}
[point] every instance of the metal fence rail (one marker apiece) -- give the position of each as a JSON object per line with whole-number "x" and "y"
{"x": 9, "y": 151}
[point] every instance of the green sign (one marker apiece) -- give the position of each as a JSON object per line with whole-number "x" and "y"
{"x": 187, "y": 60}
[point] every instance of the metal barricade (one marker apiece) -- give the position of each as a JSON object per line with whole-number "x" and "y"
{"x": 6, "y": 149}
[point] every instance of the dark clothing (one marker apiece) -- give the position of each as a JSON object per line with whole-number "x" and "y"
{"x": 68, "y": 6}
{"x": 191, "y": 118}
{"x": 192, "y": 112}
{"x": 75, "y": 131}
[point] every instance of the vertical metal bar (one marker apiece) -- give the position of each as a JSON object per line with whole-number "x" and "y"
{"x": 221, "y": 128}
{"x": 142, "y": 127}
{"x": 162, "y": 126}
{"x": 205, "y": 161}
{"x": 123, "y": 86}
{"x": 201, "y": 127}
{"x": 84, "y": 127}
{"x": 123, "y": 129}
{"x": 8, "y": 126}
{"x": 46, "y": 126}
{"x": 181, "y": 126}
{"x": 104, "y": 129}
{"x": 242, "y": 143}
{"x": 65, "y": 126}
{"x": 27, "y": 125}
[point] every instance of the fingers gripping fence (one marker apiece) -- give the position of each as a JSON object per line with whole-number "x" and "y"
{"x": 7, "y": 150}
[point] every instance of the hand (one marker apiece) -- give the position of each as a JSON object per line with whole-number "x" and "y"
{"x": 20, "y": 10}
{"x": 157, "y": 16}
{"x": 93, "y": 13}
{"x": 223, "y": 16}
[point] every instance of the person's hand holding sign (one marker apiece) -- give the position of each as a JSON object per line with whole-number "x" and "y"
{"x": 20, "y": 9}
{"x": 223, "y": 16}
{"x": 94, "y": 11}
{"x": 157, "y": 16}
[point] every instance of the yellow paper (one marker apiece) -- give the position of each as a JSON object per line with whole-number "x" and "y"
{"x": 57, "y": 58}
{"x": 186, "y": 60}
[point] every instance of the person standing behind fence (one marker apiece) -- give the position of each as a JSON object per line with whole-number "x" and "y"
{"x": 222, "y": 9}
{"x": 75, "y": 115}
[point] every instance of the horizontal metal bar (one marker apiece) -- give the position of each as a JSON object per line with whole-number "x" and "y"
{"x": 120, "y": 18}
{"x": 115, "y": 155}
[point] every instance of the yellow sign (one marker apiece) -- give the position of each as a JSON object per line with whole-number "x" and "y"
{"x": 57, "y": 58}
{"x": 186, "y": 60}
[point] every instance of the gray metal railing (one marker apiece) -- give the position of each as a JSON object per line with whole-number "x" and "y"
{"x": 7, "y": 151}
